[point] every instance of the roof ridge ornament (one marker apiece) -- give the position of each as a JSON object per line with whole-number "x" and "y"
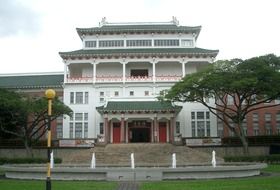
{"x": 103, "y": 22}
{"x": 175, "y": 21}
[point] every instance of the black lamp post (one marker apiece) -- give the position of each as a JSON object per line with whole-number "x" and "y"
{"x": 50, "y": 94}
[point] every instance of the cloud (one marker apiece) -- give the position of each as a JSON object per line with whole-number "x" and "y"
{"x": 16, "y": 18}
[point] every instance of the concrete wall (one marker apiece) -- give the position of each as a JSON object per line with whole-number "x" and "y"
{"x": 234, "y": 151}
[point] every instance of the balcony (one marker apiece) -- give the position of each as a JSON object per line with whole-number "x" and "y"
{"x": 168, "y": 78}
{"x": 79, "y": 79}
{"x": 109, "y": 78}
{"x": 119, "y": 79}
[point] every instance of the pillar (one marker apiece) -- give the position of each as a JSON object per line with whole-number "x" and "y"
{"x": 94, "y": 72}
{"x": 106, "y": 128}
{"x": 183, "y": 68}
{"x": 154, "y": 69}
{"x": 124, "y": 71}
{"x": 65, "y": 71}
{"x": 156, "y": 132}
{"x": 122, "y": 129}
{"x": 171, "y": 134}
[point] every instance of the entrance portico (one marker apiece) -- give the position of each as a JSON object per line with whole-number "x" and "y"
{"x": 139, "y": 121}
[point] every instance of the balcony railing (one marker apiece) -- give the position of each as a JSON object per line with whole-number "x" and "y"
{"x": 79, "y": 79}
{"x": 139, "y": 78}
{"x": 167, "y": 78}
{"x": 115, "y": 78}
{"x": 108, "y": 78}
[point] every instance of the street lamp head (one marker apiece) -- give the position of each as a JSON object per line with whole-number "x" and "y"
{"x": 50, "y": 94}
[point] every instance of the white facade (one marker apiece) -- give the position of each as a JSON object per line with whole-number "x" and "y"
{"x": 135, "y": 66}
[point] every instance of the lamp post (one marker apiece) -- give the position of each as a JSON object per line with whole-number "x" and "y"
{"x": 50, "y": 94}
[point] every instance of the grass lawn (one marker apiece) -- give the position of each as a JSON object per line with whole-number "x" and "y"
{"x": 56, "y": 185}
{"x": 258, "y": 183}
{"x": 272, "y": 168}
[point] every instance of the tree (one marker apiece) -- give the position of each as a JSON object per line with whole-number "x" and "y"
{"x": 25, "y": 117}
{"x": 250, "y": 84}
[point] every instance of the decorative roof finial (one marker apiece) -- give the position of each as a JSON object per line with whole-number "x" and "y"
{"x": 175, "y": 21}
{"x": 103, "y": 22}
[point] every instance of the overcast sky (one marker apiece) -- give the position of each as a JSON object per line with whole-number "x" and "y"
{"x": 32, "y": 32}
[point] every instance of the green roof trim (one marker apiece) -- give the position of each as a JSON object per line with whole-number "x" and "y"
{"x": 32, "y": 81}
{"x": 149, "y": 28}
{"x": 138, "y": 106}
{"x": 136, "y": 51}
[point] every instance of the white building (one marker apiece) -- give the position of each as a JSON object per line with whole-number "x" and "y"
{"x": 112, "y": 83}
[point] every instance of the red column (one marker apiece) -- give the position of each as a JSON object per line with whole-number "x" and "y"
{"x": 122, "y": 129}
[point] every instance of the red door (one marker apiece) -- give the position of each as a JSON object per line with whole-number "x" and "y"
{"x": 162, "y": 132}
{"x": 116, "y": 132}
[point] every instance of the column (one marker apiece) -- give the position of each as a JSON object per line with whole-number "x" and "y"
{"x": 94, "y": 72}
{"x": 156, "y": 132}
{"x": 122, "y": 129}
{"x": 154, "y": 70}
{"x": 65, "y": 72}
{"x": 124, "y": 63}
{"x": 106, "y": 129}
{"x": 183, "y": 68}
{"x": 171, "y": 135}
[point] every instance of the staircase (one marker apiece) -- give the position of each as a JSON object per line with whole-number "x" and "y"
{"x": 149, "y": 154}
{"x": 145, "y": 154}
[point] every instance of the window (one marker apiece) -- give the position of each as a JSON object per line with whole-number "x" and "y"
{"x": 255, "y": 117}
{"x": 131, "y": 93}
{"x": 86, "y": 97}
{"x": 138, "y": 43}
{"x": 59, "y": 131}
{"x": 71, "y": 130}
{"x": 79, "y": 98}
{"x": 71, "y": 97}
{"x": 200, "y": 124}
{"x": 59, "y": 127}
{"x": 229, "y": 100}
{"x": 116, "y": 93}
{"x": 278, "y": 122}
{"x": 139, "y": 73}
{"x": 79, "y": 126}
{"x": 177, "y": 127}
{"x": 90, "y": 43}
{"x": 111, "y": 43}
{"x": 101, "y": 98}
{"x": 146, "y": 93}
{"x": 78, "y": 130}
{"x": 101, "y": 128}
{"x": 167, "y": 42}
{"x": 268, "y": 126}
{"x": 187, "y": 43}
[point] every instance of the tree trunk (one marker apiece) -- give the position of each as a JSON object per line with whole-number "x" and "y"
{"x": 244, "y": 144}
{"x": 29, "y": 151}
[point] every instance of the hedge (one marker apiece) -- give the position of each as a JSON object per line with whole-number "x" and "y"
{"x": 27, "y": 160}
{"x": 274, "y": 158}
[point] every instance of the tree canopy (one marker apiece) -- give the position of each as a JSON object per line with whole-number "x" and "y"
{"x": 235, "y": 88}
{"x": 25, "y": 117}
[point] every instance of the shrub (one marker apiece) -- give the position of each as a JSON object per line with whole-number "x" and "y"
{"x": 275, "y": 158}
{"x": 27, "y": 160}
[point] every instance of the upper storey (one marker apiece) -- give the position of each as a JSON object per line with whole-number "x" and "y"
{"x": 138, "y": 35}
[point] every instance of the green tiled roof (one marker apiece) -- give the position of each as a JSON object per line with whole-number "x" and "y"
{"x": 170, "y": 28}
{"x": 135, "y": 51}
{"x": 32, "y": 81}
{"x": 135, "y": 106}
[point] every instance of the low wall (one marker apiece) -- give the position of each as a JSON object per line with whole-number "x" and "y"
{"x": 72, "y": 153}
{"x": 222, "y": 151}
{"x": 66, "y": 154}
{"x": 137, "y": 174}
